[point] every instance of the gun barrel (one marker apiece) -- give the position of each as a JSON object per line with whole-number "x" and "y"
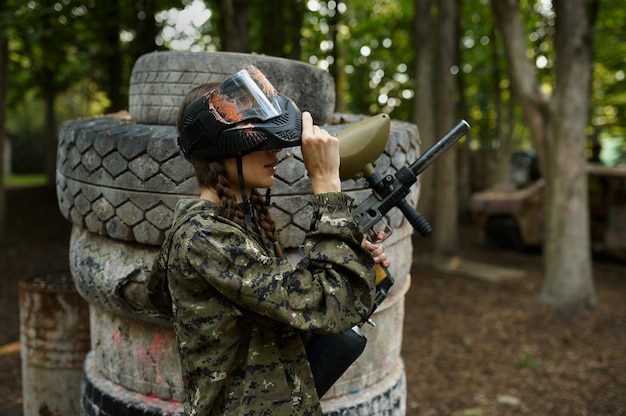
{"x": 377, "y": 204}
{"x": 440, "y": 147}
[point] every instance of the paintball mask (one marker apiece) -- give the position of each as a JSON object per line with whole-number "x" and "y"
{"x": 243, "y": 114}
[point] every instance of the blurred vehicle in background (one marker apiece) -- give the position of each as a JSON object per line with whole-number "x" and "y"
{"x": 512, "y": 217}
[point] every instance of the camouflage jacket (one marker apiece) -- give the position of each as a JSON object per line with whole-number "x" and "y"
{"x": 240, "y": 313}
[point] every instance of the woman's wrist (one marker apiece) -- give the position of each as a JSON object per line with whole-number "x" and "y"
{"x": 322, "y": 186}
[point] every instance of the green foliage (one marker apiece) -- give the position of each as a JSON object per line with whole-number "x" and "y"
{"x": 485, "y": 84}
{"x": 76, "y": 55}
{"x": 34, "y": 61}
{"x": 483, "y": 80}
{"x": 83, "y": 51}
{"x": 609, "y": 83}
{"x": 57, "y": 44}
{"x": 489, "y": 97}
{"x": 374, "y": 40}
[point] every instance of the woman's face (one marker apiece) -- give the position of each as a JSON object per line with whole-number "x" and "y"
{"x": 258, "y": 170}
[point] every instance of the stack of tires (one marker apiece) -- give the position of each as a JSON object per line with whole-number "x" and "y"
{"x": 118, "y": 180}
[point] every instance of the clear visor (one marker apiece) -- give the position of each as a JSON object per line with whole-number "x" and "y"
{"x": 245, "y": 95}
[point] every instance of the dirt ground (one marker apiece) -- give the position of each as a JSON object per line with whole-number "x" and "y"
{"x": 471, "y": 347}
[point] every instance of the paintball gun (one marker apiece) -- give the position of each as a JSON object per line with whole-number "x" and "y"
{"x": 360, "y": 145}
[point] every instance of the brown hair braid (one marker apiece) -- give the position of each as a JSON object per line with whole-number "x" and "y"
{"x": 213, "y": 175}
{"x": 266, "y": 222}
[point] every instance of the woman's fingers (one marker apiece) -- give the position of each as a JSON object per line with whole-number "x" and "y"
{"x": 320, "y": 152}
{"x": 377, "y": 251}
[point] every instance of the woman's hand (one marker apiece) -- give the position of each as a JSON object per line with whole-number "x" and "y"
{"x": 377, "y": 250}
{"x": 320, "y": 152}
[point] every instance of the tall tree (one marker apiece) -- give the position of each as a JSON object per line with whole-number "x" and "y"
{"x": 106, "y": 28}
{"x": 445, "y": 233}
{"x": 557, "y": 124}
{"x": 43, "y": 65}
{"x": 464, "y": 171}
{"x": 114, "y": 58}
{"x": 424, "y": 112}
{"x": 285, "y": 20}
{"x": 143, "y": 22}
{"x": 504, "y": 138}
{"x": 57, "y": 45}
{"x": 337, "y": 66}
{"x": 233, "y": 18}
{"x": 4, "y": 84}
{"x": 252, "y": 26}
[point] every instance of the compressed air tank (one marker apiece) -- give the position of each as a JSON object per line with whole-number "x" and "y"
{"x": 118, "y": 180}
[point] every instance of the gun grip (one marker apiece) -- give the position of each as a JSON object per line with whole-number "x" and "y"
{"x": 381, "y": 273}
{"x": 384, "y": 281}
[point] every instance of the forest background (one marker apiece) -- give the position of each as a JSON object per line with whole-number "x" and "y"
{"x": 533, "y": 75}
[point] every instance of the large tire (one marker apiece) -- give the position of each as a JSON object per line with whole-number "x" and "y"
{"x": 122, "y": 179}
{"x": 100, "y": 397}
{"x": 160, "y": 80}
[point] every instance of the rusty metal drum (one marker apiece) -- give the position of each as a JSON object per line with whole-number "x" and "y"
{"x": 54, "y": 339}
{"x": 118, "y": 182}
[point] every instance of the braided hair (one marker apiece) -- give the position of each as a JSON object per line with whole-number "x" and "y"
{"x": 213, "y": 175}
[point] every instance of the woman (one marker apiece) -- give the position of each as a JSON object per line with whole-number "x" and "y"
{"x": 242, "y": 313}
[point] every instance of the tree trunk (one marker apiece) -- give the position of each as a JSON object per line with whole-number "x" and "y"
{"x": 533, "y": 101}
{"x": 50, "y": 137}
{"x": 504, "y": 148}
{"x": 568, "y": 267}
{"x": 146, "y": 29}
{"x": 424, "y": 113}
{"x": 557, "y": 129}
{"x": 298, "y": 11}
{"x": 445, "y": 231}
{"x": 273, "y": 40}
{"x": 4, "y": 84}
{"x": 235, "y": 25}
{"x": 112, "y": 54}
{"x": 464, "y": 166}
{"x": 337, "y": 67}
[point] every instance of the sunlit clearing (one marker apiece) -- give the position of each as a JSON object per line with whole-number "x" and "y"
{"x": 181, "y": 28}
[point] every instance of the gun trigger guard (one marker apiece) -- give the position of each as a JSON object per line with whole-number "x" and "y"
{"x": 372, "y": 234}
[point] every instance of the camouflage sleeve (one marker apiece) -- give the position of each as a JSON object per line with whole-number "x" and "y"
{"x": 331, "y": 290}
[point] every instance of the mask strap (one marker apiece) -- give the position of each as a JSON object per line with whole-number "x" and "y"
{"x": 268, "y": 196}
{"x": 247, "y": 208}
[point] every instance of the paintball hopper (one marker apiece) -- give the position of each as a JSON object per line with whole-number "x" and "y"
{"x": 361, "y": 144}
